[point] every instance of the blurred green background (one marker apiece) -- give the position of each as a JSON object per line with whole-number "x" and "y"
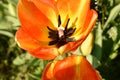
{"x": 17, "y": 64}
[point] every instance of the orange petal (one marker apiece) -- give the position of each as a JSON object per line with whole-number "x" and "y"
{"x": 26, "y": 41}
{"x": 62, "y": 6}
{"x": 36, "y": 48}
{"x": 82, "y": 15}
{"x": 88, "y": 26}
{"x": 73, "y": 9}
{"x": 66, "y": 48}
{"x": 48, "y": 8}
{"x": 33, "y": 20}
{"x": 45, "y": 52}
{"x": 66, "y": 69}
{"x": 81, "y": 35}
{"x": 48, "y": 72}
{"x": 79, "y": 11}
{"x": 75, "y": 68}
{"x": 71, "y": 68}
{"x": 87, "y": 72}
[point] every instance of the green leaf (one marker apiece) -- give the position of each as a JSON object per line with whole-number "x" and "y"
{"x": 112, "y": 32}
{"x": 13, "y": 20}
{"x": 113, "y": 14}
{"x": 11, "y": 9}
{"x": 97, "y": 50}
{"x": 22, "y": 59}
{"x": 6, "y": 33}
{"x": 93, "y": 60}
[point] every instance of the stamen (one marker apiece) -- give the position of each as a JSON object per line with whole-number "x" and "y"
{"x": 52, "y": 34}
{"x": 59, "y": 21}
{"x": 50, "y": 29}
{"x": 53, "y": 42}
{"x": 70, "y": 39}
{"x": 70, "y": 31}
{"x": 67, "y": 24}
{"x": 61, "y": 36}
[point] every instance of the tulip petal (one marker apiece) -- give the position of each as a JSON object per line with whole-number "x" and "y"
{"x": 25, "y": 40}
{"x": 48, "y": 8}
{"x": 81, "y": 35}
{"x": 62, "y": 6}
{"x": 88, "y": 26}
{"x": 33, "y": 21}
{"x": 79, "y": 12}
{"x": 87, "y": 72}
{"x": 75, "y": 68}
{"x": 71, "y": 68}
{"x": 73, "y": 9}
{"x": 82, "y": 15}
{"x": 66, "y": 48}
{"x": 48, "y": 72}
{"x": 66, "y": 69}
{"x": 87, "y": 45}
{"x": 28, "y": 43}
{"x": 33, "y": 35}
{"x": 45, "y": 52}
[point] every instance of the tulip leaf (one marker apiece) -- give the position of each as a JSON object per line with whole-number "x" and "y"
{"x": 112, "y": 32}
{"x": 113, "y": 14}
{"x": 97, "y": 50}
{"x": 93, "y": 60}
{"x": 11, "y": 9}
{"x": 6, "y": 33}
{"x": 33, "y": 76}
{"x": 19, "y": 60}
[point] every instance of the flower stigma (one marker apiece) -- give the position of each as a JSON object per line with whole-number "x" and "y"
{"x": 60, "y": 31}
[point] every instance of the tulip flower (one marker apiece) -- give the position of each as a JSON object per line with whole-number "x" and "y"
{"x": 53, "y": 27}
{"x": 71, "y": 68}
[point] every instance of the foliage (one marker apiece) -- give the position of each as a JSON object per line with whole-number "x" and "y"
{"x": 17, "y": 64}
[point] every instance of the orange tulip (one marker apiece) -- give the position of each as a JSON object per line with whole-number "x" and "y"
{"x": 53, "y": 27}
{"x": 71, "y": 68}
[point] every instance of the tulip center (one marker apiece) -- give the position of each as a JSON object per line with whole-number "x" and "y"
{"x": 61, "y": 36}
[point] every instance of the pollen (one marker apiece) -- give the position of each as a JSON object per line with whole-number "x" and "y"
{"x": 61, "y": 36}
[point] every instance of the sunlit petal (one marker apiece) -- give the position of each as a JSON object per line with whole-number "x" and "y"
{"x": 33, "y": 21}
{"x": 89, "y": 23}
{"x": 35, "y": 47}
{"x": 26, "y": 41}
{"x": 48, "y": 8}
{"x": 82, "y": 14}
{"x": 71, "y": 68}
{"x": 72, "y": 9}
{"x": 87, "y": 72}
{"x": 48, "y": 72}
{"x": 88, "y": 26}
{"x": 45, "y": 52}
